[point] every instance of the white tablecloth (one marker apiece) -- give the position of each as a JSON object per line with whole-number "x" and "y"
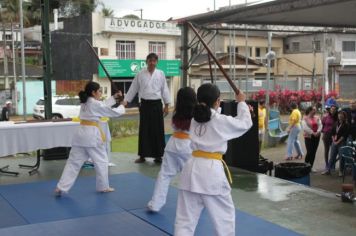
{"x": 27, "y": 137}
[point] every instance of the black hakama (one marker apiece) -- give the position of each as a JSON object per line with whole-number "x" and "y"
{"x": 151, "y": 131}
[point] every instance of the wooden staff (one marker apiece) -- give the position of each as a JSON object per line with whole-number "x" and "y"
{"x": 211, "y": 54}
{"x": 113, "y": 85}
{"x": 232, "y": 84}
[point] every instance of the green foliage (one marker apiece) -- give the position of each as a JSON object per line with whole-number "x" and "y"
{"x": 123, "y": 128}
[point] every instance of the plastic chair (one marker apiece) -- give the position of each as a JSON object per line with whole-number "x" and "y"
{"x": 348, "y": 154}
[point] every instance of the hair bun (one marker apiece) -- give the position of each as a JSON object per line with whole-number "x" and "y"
{"x": 202, "y": 113}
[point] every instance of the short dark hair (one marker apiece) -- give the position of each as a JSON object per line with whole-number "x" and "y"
{"x": 152, "y": 55}
{"x": 293, "y": 105}
{"x": 262, "y": 102}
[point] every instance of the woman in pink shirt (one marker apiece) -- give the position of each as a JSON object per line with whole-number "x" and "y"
{"x": 312, "y": 129}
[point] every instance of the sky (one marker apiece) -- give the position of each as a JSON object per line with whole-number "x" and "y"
{"x": 164, "y": 9}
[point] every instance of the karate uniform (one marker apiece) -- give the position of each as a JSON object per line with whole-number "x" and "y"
{"x": 151, "y": 90}
{"x": 88, "y": 143}
{"x": 203, "y": 183}
{"x": 176, "y": 153}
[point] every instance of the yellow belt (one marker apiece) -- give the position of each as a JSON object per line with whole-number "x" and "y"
{"x": 181, "y": 135}
{"x": 95, "y": 124}
{"x": 214, "y": 156}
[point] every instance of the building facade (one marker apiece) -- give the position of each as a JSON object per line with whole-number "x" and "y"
{"x": 123, "y": 45}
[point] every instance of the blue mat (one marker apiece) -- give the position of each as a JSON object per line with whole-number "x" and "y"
{"x": 102, "y": 225}
{"x": 93, "y": 212}
{"x": 9, "y": 216}
{"x": 36, "y": 203}
{"x": 246, "y": 224}
{"x": 133, "y": 190}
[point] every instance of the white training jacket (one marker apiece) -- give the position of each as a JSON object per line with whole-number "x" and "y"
{"x": 207, "y": 176}
{"x": 149, "y": 87}
{"x": 93, "y": 110}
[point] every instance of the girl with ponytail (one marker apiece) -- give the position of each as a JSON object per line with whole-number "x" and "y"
{"x": 203, "y": 183}
{"x": 177, "y": 150}
{"x": 90, "y": 139}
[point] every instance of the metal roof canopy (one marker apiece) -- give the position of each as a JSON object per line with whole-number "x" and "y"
{"x": 316, "y": 13}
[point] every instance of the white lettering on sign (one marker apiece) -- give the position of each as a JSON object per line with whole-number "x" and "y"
{"x": 141, "y": 26}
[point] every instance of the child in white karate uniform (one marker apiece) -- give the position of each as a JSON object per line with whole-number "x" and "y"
{"x": 177, "y": 150}
{"x": 90, "y": 140}
{"x": 203, "y": 183}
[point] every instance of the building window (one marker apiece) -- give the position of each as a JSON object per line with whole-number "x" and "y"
{"x": 8, "y": 37}
{"x": 104, "y": 52}
{"x": 348, "y": 46}
{"x": 295, "y": 46}
{"x": 317, "y": 46}
{"x": 159, "y": 48}
{"x": 230, "y": 49}
{"x": 258, "y": 52}
{"x": 125, "y": 49}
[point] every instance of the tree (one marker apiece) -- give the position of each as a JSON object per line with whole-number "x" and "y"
{"x": 106, "y": 11}
{"x": 132, "y": 16}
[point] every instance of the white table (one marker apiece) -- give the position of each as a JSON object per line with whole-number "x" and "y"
{"x": 28, "y": 137}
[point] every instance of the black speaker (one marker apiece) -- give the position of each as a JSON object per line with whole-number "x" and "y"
{"x": 242, "y": 152}
{"x": 57, "y": 153}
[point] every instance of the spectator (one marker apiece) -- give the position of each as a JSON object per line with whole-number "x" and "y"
{"x": 5, "y": 113}
{"x": 294, "y": 129}
{"x": 262, "y": 122}
{"x": 328, "y": 122}
{"x": 351, "y": 115}
{"x": 339, "y": 135}
{"x": 312, "y": 128}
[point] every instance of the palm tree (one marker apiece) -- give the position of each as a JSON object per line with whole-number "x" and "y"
{"x": 106, "y": 11}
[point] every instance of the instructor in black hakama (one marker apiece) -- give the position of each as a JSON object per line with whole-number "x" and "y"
{"x": 151, "y": 85}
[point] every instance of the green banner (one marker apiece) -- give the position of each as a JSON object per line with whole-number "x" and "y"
{"x": 129, "y": 68}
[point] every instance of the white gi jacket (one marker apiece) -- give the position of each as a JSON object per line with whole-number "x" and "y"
{"x": 149, "y": 87}
{"x": 207, "y": 176}
{"x": 93, "y": 110}
{"x": 177, "y": 145}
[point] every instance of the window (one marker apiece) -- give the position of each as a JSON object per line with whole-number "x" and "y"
{"x": 295, "y": 46}
{"x": 348, "y": 46}
{"x": 68, "y": 102}
{"x": 230, "y": 49}
{"x": 8, "y": 37}
{"x": 159, "y": 48}
{"x": 317, "y": 46}
{"x": 40, "y": 102}
{"x": 104, "y": 52}
{"x": 125, "y": 49}
{"x": 258, "y": 52}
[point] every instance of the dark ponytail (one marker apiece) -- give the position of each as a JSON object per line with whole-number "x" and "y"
{"x": 90, "y": 87}
{"x": 207, "y": 95}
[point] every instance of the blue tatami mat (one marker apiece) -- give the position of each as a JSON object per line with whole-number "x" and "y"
{"x": 118, "y": 224}
{"x": 134, "y": 190}
{"x": 36, "y": 202}
{"x": 9, "y": 216}
{"x": 246, "y": 224}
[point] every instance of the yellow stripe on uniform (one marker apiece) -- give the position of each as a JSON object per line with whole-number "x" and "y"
{"x": 214, "y": 156}
{"x": 181, "y": 135}
{"x": 95, "y": 124}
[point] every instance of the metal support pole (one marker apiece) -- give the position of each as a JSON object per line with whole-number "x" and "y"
{"x": 268, "y": 68}
{"x": 184, "y": 53}
{"x": 23, "y": 70}
{"x": 47, "y": 68}
{"x": 14, "y": 65}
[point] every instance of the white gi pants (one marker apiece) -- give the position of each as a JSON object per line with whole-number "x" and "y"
{"x": 220, "y": 209}
{"x": 77, "y": 157}
{"x": 172, "y": 164}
